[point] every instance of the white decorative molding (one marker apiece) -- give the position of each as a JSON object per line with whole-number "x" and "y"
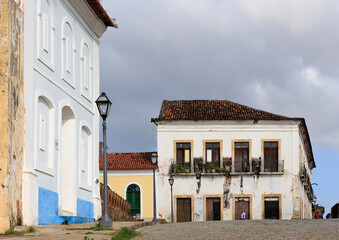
{"x": 88, "y": 184}
{"x": 86, "y": 89}
{"x": 47, "y": 169}
{"x": 86, "y": 16}
{"x": 69, "y": 80}
{"x": 70, "y": 94}
{"x": 43, "y": 50}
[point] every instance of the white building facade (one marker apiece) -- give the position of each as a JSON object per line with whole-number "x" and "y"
{"x": 61, "y": 172}
{"x": 235, "y": 159}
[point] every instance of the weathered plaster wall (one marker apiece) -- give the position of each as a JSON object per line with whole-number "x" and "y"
{"x": 11, "y": 114}
{"x": 285, "y": 184}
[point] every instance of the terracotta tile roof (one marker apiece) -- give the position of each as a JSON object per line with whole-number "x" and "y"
{"x": 101, "y": 13}
{"x": 212, "y": 110}
{"x": 195, "y": 110}
{"x": 127, "y": 161}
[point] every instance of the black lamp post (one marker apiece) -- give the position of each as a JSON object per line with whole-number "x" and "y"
{"x": 104, "y": 106}
{"x": 154, "y": 159}
{"x": 171, "y": 181}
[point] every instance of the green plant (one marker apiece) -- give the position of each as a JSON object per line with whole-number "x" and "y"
{"x": 187, "y": 169}
{"x": 218, "y": 169}
{"x": 208, "y": 166}
{"x": 88, "y": 233}
{"x": 87, "y": 238}
{"x": 124, "y": 234}
{"x": 179, "y": 168}
{"x": 223, "y": 170}
{"x": 31, "y": 229}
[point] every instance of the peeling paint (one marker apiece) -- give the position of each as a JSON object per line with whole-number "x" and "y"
{"x": 11, "y": 114}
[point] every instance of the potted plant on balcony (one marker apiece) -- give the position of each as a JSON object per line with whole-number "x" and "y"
{"x": 208, "y": 167}
{"x": 187, "y": 169}
{"x": 179, "y": 168}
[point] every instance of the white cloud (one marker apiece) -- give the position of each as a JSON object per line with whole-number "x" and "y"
{"x": 278, "y": 55}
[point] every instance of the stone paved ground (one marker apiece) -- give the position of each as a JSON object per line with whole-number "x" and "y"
{"x": 257, "y": 229}
{"x": 65, "y": 232}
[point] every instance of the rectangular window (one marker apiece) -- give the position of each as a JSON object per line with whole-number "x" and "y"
{"x": 271, "y": 156}
{"x": 241, "y": 157}
{"x": 213, "y": 153}
{"x": 271, "y": 208}
{"x": 86, "y": 70}
{"x": 45, "y": 32}
{"x": 42, "y": 136}
{"x": 184, "y": 154}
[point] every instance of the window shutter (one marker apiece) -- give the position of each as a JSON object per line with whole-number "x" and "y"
{"x": 180, "y": 154}
{"x": 215, "y": 157}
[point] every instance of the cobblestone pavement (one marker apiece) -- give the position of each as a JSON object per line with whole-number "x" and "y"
{"x": 257, "y": 229}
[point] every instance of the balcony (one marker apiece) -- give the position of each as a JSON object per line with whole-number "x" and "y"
{"x": 305, "y": 179}
{"x": 245, "y": 168}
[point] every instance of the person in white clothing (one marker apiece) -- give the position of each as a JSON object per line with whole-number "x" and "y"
{"x": 243, "y": 215}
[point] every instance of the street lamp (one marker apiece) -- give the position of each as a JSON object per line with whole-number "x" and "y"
{"x": 154, "y": 159}
{"x": 104, "y": 106}
{"x": 171, "y": 181}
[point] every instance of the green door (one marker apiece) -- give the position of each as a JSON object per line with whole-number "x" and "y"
{"x": 133, "y": 197}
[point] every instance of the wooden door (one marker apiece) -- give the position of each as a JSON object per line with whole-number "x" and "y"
{"x": 213, "y": 209}
{"x": 242, "y": 204}
{"x": 184, "y": 210}
{"x": 133, "y": 197}
{"x": 271, "y": 156}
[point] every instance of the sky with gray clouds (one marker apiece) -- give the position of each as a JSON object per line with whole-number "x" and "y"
{"x": 279, "y": 56}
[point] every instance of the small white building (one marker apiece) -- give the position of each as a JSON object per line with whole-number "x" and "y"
{"x": 61, "y": 59}
{"x": 227, "y": 158}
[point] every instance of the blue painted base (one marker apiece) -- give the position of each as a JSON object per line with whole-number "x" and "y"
{"x": 72, "y": 219}
{"x": 49, "y": 208}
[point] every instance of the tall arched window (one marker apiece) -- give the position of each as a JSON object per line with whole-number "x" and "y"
{"x": 86, "y": 71}
{"x": 67, "y": 53}
{"x": 85, "y": 153}
{"x": 44, "y": 135}
{"x": 45, "y": 43}
{"x": 133, "y": 197}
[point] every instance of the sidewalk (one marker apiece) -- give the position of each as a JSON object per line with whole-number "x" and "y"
{"x": 74, "y": 231}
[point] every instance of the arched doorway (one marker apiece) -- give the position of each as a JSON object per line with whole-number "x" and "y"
{"x": 68, "y": 173}
{"x": 133, "y": 197}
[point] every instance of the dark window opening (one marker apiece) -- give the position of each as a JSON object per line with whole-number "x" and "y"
{"x": 271, "y": 156}
{"x": 271, "y": 208}
{"x": 241, "y": 157}
{"x": 213, "y": 153}
{"x": 184, "y": 154}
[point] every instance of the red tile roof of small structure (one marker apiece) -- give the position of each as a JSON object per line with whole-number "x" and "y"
{"x": 127, "y": 161}
{"x": 101, "y": 13}
{"x": 212, "y": 110}
{"x": 209, "y": 110}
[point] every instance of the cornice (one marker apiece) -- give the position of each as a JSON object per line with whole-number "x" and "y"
{"x": 87, "y": 17}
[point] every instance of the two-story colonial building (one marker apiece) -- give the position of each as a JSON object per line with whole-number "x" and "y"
{"x": 61, "y": 59}
{"x": 228, "y": 158}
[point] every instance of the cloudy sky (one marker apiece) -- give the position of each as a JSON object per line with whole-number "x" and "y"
{"x": 279, "y": 56}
